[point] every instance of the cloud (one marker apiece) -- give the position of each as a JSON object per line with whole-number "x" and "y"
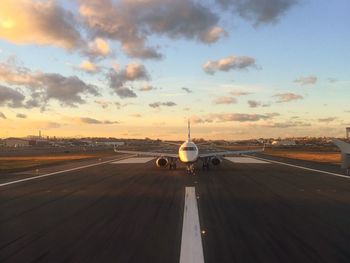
{"x": 258, "y": 11}
{"x": 197, "y": 119}
{"x": 287, "y": 97}
{"x": 87, "y": 120}
{"x": 147, "y": 87}
{"x": 253, "y": 103}
{"x": 10, "y": 97}
{"x": 44, "y": 87}
{"x": 186, "y": 89}
{"x": 133, "y": 21}
{"x": 103, "y": 103}
{"x": 88, "y": 67}
{"x": 67, "y": 90}
{"x": 38, "y": 22}
{"x": 159, "y": 104}
{"x": 289, "y": 124}
{"x": 229, "y": 63}
{"x": 132, "y": 72}
{"x": 225, "y": 100}
{"x": 136, "y": 115}
{"x": 308, "y": 80}
{"x": 233, "y": 117}
{"x": 240, "y": 93}
{"x": 2, "y": 116}
{"x": 21, "y": 115}
{"x": 98, "y": 48}
{"x": 327, "y": 120}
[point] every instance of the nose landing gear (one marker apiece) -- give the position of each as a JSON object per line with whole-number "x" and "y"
{"x": 190, "y": 169}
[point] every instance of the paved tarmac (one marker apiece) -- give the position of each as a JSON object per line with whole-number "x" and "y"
{"x": 134, "y": 212}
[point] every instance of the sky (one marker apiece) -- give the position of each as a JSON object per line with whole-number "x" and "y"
{"x": 238, "y": 69}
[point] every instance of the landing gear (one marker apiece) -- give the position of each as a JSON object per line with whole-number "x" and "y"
{"x": 172, "y": 166}
{"x": 205, "y": 165}
{"x": 190, "y": 169}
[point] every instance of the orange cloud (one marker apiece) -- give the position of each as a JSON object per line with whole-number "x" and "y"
{"x": 38, "y": 22}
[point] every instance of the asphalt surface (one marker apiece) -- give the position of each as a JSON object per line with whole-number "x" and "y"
{"x": 133, "y": 213}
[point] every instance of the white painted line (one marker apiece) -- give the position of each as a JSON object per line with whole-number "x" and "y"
{"x": 135, "y": 160}
{"x": 244, "y": 160}
{"x": 54, "y": 173}
{"x": 304, "y": 168}
{"x": 191, "y": 242}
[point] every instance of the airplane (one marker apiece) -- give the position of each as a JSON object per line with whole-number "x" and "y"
{"x": 345, "y": 154}
{"x": 188, "y": 154}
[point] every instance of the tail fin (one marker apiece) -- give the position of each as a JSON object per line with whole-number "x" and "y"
{"x": 189, "y": 131}
{"x": 345, "y": 152}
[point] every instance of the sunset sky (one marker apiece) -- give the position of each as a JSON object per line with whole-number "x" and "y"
{"x": 140, "y": 68}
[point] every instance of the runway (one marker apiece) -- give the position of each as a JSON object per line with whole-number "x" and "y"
{"x": 133, "y": 212}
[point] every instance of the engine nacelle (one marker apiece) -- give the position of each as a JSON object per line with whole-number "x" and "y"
{"x": 162, "y": 162}
{"x": 215, "y": 161}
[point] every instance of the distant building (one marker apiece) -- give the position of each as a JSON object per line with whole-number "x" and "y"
{"x": 110, "y": 143}
{"x": 16, "y": 142}
{"x": 348, "y": 133}
{"x": 283, "y": 143}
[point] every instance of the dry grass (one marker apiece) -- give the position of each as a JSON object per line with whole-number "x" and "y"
{"x": 45, "y": 158}
{"x": 20, "y": 163}
{"x": 322, "y": 157}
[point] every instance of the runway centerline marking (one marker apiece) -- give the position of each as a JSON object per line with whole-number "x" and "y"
{"x": 304, "y": 168}
{"x": 191, "y": 240}
{"x": 134, "y": 160}
{"x": 58, "y": 172}
{"x": 244, "y": 160}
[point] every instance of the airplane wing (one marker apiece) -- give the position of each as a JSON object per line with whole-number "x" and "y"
{"x": 153, "y": 154}
{"x": 224, "y": 153}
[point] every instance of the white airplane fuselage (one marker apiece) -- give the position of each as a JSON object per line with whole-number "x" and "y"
{"x": 188, "y": 152}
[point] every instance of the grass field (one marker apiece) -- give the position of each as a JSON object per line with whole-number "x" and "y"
{"x": 18, "y": 163}
{"x": 320, "y": 154}
{"x": 322, "y": 157}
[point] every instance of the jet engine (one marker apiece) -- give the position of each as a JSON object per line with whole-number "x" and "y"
{"x": 215, "y": 161}
{"x": 162, "y": 162}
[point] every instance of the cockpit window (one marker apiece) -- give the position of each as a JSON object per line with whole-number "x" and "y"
{"x": 188, "y": 149}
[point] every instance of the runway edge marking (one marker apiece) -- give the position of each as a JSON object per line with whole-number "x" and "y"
{"x": 191, "y": 241}
{"x": 304, "y": 168}
{"x": 59, "y": 172}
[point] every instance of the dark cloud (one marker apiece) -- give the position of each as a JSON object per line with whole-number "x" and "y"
{"x": 229, "y": 63}
{"x": 88, "y": 120}
{"x": 21, "y": 115}
{"x": 45, "y": 86}
{"x": 2, "y": 116}
{"x": 134, "y": 21}
{"x": 287, "y": 97}
{"x": 67, "y": 90}
{"x": 253, "y": 103}
{"x": 186, "y": 89}
{"x": 258, "y": 11}
{"x": 159, "y": 104}
{"x": 132, "y": 72}
{"x": 10, "y": 97}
